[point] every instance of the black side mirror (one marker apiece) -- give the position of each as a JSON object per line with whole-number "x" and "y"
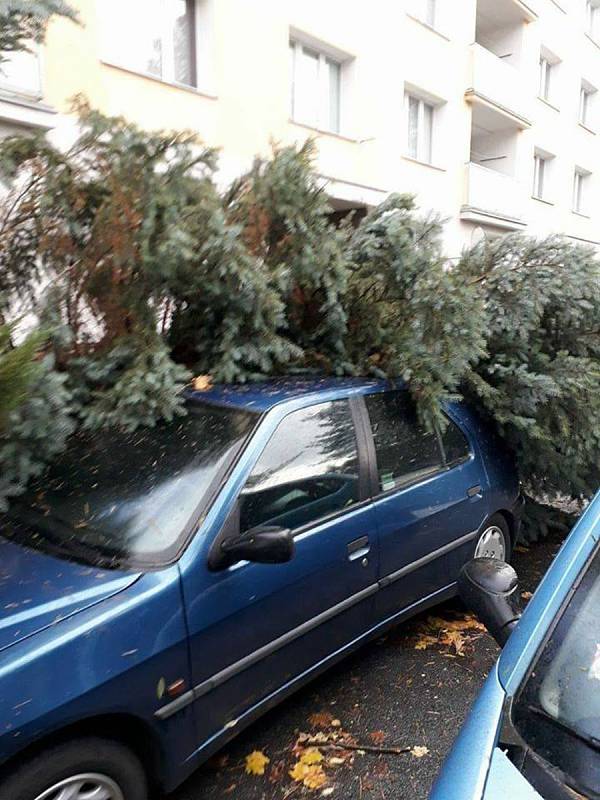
{"x": 263, "y": 545}
{"x": 490, "y": 588}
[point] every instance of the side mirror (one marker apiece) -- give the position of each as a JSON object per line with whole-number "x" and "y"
{"x": 263, "y": 545}
{"x": 490, "y": 588}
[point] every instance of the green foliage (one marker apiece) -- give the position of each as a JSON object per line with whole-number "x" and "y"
{"x": 540, "y": 381}
{"x": 410, "y": 315}
{"x": 285, "y": 219}
{"x": 24, "y": 21}
{"x": 36, "y": 431}
{"x": 19, "y": 368}
{"x": 150, "y": 275}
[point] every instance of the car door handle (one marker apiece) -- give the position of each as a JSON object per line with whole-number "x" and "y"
{"x": 474, "y": 490}
{"x": 358, "y": 548}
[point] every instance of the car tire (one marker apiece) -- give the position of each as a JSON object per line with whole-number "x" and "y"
{"x": 494, "y": 534}
{"x": 93, "y": 762}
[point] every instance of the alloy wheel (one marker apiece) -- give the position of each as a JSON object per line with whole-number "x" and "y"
{"x": 491, "y": 544}
{"x": 88, "y": 786}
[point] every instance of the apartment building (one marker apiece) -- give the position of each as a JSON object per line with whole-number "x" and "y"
{"x": 487, "y": 110}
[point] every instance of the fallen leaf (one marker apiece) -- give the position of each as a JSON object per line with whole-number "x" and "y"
{"x": 202, "y": 383}
{"x": 335, "y": 723}
{"x": 335, "y": 761}
{"x": 454, "y": 639}
{"x": 310, "y": 775}
{"x": 327, "y": 792}
{"x": 311, "y": 756}
{"x": 526, "y": 595}
{"x": 256, "y": 763}
{"x": 419, "y": 751}
{"x": 321, "y": 719}
{"x": 315, "y": 778}
{"x": 377, "y": 737}
{"x": 520, "y": 549}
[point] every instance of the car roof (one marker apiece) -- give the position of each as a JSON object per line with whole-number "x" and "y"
{"x": 262, "y": 396}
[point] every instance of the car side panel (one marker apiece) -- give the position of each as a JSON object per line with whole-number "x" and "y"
{"x": 106, "y": 660}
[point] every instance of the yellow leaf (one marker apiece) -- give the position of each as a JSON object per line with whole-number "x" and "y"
{"x": 256, "y": 763}
{"x": 298, "y": 771}
{"x": 311, "y": 756}
{"x": 202, "y": 383}
{"x": 315, "y": 778}
{"x": 419, "y": 751}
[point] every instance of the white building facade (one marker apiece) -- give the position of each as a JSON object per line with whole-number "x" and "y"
{"x": 487, "y": 110}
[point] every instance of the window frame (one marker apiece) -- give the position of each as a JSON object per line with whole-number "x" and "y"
{"x": 579, "y": 201}
{"x": 545, "y": 76}
{"x": 539, "y": 176}
{"x": 170, "y": 79}
{"x": 446, "y": 466}
{"x": 323, "y": 121}
{"x": 587, "y": 97}
{"x": 232, "y": 524}
{"x": 592, "y": 18}
{"x": 424, "y": 139}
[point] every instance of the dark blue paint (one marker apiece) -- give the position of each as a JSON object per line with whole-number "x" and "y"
{"x": 472, "y": 770}
{"x": 82, "y": 643}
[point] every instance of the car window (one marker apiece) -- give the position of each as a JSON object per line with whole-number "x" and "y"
{"x": 455, "y": 444}
{"x": 405, "y": 450}
{"x": 558, "y": 711}
{"x": 126, "y": 498}
{"x": 308, "y": 470}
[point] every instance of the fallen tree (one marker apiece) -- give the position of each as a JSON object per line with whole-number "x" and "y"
{"x": 152, "y": 275}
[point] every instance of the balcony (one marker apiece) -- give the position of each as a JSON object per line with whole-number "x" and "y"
{"x": 498, "y": 85}
{"x": 493, "y": 198}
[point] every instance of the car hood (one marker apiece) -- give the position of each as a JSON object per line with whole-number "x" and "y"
{"x": 38, "y": 590}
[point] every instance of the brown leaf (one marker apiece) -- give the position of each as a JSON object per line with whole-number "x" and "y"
{"x": 377, "y": 737}
{"x": 321, "y": 719}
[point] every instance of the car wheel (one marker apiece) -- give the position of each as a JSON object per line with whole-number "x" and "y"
{"x": 89, "y": 769}
{"x": 494, "y": 540}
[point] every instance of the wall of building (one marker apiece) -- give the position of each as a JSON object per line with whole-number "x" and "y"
{"x": 243, "y": 100}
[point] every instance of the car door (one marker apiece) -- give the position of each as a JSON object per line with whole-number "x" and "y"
{"x": 428, "y": 505}
{"x": 255, "y": 628}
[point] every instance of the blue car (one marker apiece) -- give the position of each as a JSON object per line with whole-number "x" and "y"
{"x": 161, "y": 589}
{"x": 534, "y": 731}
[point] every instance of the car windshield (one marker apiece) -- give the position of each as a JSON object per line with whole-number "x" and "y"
{"x": 127, "y": 499}
{"x": 558, "y": 711}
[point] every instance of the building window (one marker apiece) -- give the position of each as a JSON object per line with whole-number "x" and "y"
{"x": 592, "y": 13}
{"x": 586, "y": 102}
{"x": 581, "y": 180}
{"x": 425, "y": 11}
{"x": 160, "y": 41}
{"x": 545, "y": 77}
{"x": 20, "y": 74}
{"x": 539, "y": 175}
{"x": 419, "y": 114}
{"x": 316, "y": 88}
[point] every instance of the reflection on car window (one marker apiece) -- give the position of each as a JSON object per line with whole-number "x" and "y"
{"x": 309, "y": 469}
{"x": 455, "y": 444}
{"x": 558, "y": 712}
{"x": 128, "y": 496}
{"x": 405, "y": 451}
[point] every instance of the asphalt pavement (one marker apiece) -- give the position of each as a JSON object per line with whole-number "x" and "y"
{"x": 410, "y": 689}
